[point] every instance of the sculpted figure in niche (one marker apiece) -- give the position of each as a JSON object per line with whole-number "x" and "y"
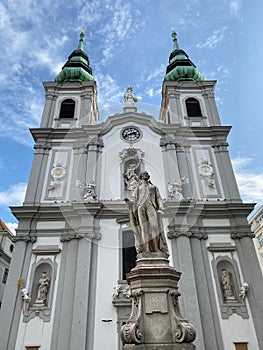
{"x": 43, "y": 287}
{"x": 131, "y": 178}
{"x": 145, "y": 209}
{"x": 227, "y": 285}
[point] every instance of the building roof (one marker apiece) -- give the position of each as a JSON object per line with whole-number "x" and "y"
{"x": 3, "y": 227}
{"x": 77, "y": 67}
{"x": 180, "y": 67}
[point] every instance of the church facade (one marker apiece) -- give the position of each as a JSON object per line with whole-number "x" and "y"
{"x": 74, "y": 245}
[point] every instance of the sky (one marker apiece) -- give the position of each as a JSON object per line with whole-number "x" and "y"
{"x": 128, "y": 44}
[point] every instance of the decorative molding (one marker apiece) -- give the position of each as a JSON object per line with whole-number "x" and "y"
{"x": 130, "y": 153}
{"x": 220, "y": 146}
{"x": 175, "y": 232}
{"x": 46, "y": 250}
{"x": 95, "y": 141}
{"x": 168, "y": 142}
{"x": 239, "y": 235}
{"x": 80, "y": 148}
{"x": 91, "y": 233}
{"x": 26, "y": 238}
{"x": 66, "y": 237}
{"x": 221, "y": 247}
{"x": 42, "y": 147}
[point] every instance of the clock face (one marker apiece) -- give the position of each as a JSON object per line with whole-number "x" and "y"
{"x": 131, "y": 134}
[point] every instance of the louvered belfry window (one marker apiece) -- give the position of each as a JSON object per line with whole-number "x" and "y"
{"x": 193, "y": 107}
{"x": 67, "y": 109}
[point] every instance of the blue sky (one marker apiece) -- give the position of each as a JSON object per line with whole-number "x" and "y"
{"x": 128, "y": 43}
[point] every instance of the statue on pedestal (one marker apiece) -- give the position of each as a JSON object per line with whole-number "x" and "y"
{"x": 145, "y": 208}
{"x": 43, "y": 286}
{"x": 227, "y": 285}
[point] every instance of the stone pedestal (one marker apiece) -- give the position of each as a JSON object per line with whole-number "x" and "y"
{"x": 155, "y": 322}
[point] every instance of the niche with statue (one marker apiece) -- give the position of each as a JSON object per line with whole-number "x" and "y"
{"x": 41, "y": 290}
{"x": 228, "y": 284}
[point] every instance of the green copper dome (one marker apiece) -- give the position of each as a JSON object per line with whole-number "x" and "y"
{"x": 180, "y": 67}
{"x": 77, "y": 67}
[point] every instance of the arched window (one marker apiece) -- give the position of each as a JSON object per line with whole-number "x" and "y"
{"x": 67, "y": 108}
{"x": 193, "y": 107}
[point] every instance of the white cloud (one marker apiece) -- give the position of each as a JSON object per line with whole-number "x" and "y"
{"x": 158, "y": 72}
{"x": 14, "y": 195}
{"x": 235, "y": 7}
{"x": 250, "y": 182}
{"x": 109, "y": 91}
{"x": 121, "y": 20}
{"x": 12, "y": 226}
{"x": 214, "y": 39}
{"x": 150, "y": 92}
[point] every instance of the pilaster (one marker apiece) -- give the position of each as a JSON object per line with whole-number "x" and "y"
{"x": 49, "y": 108}
{"x": 169, "y": 147}
{"x": 252, "y": 275}
{"x": 38, "y": 171}
{"x": 209, "y": 100}
{"x": 183, "y": 154}
{"x": 12, "y": 305}
{"x": 226, "y": 171}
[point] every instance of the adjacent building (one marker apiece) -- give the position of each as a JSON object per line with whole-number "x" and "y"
{"x": 256, "y": 224}
{"x": 67, "y": 288}
{"x": 6, "y": 251}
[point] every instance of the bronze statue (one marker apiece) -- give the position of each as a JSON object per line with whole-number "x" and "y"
{"x": 145, "y": 208}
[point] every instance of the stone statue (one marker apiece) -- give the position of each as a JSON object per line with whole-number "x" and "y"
{"x": 89, "y": 191}
{"x": 43, "y": 287}
{"x": 131, "y": 178}
{"x": 129, "y": 98}
{"x": 243, "y": 290}
{"x": 145, "y": 207}
{"x": 175, "y": 190}
{"x": 227, "y": 285}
